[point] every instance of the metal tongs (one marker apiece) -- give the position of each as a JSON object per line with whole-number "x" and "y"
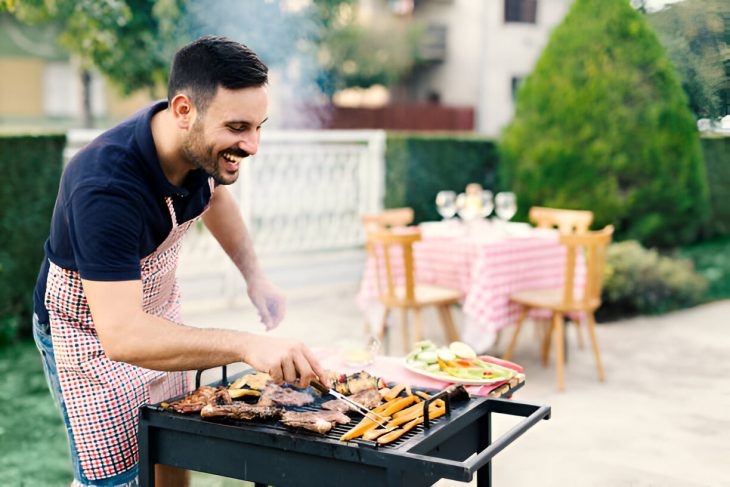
{"x": 375, "y": 417}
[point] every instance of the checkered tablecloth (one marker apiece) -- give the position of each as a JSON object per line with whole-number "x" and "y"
{"x": 487, "y": 269}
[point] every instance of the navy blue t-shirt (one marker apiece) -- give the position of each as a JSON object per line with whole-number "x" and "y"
{"x": 110, "y": 212}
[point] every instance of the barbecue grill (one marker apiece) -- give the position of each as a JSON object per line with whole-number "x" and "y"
{"x": 454, "y": 446}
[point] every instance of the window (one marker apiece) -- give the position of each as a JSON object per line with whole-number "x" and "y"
{"x": 62, "y": 91}
{"x": 520, "y": 11}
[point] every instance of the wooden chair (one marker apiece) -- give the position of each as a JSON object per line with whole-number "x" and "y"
{"x": 407, "y": 295}
{"x": 567, "y": 221}
{"x": 566, "y": 300}
{"x": 394, "y": 217}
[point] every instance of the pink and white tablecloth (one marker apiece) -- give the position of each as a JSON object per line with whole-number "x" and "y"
{"x": 487, "y": 267}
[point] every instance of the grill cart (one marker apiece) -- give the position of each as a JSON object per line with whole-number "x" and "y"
{"x": 454, "y": 446}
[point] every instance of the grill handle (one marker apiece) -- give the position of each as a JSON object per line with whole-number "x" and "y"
{"x": 532, "y": 414}
{"x": 464, "y": 470}
{"x": 455, "y": 392}
{"x": 199, "y": 374}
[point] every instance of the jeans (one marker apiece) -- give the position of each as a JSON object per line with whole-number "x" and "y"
{"x": 42, "y": 336}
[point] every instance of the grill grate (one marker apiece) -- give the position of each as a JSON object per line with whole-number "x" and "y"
{"x": 334, "y": 434}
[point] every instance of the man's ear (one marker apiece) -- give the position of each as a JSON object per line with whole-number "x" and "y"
{"x": 183, "y": 110}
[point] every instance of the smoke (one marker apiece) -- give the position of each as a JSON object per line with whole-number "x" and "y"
{"x": 284, "y": 35}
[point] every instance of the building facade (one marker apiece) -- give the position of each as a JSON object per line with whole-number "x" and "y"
{"x": 487, "y": 47}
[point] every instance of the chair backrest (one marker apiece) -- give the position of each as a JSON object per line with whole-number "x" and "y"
{"x": 387, "y": 248}
{"x": 594, "y": 246}
{"x": 393, "y": 217}
{"x": 567, "y": 221}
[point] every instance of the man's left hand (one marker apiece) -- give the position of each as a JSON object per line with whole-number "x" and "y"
{"x": 269, "y": 301}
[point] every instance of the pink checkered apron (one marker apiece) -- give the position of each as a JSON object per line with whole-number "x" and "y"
{"x": 102, "y": 397}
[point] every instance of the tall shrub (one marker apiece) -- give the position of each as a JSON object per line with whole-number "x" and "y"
{"x": 31, "y": 168}
{"x": 603, "y": 124}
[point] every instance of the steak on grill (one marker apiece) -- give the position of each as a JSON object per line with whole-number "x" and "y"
{"x": 368, "y": 398}
{"x": 240, "y": 410}
{"x": 318, "y": 421}
{"x": 199, "y": 398}
{"x": 275, "y": 394}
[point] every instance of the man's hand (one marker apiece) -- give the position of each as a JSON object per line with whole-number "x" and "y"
{"x": 269, "y": 301}
{"x": 284, "y": 360}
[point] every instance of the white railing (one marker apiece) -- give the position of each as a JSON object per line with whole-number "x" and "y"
{"x": 301, "y": 195}
{"x": 306, "y": 190}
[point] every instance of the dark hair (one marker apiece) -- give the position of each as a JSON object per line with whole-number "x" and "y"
{"x": 211, "y": 61}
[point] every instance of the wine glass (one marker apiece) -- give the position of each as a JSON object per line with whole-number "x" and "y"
{"x": 467, "y": 206}
{"x": 486, "y": 203}
{"x": 446, "y": 204}
{"x": 506, "y": 205}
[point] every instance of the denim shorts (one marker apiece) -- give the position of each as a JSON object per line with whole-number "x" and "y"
{"x": 42, "y": 336}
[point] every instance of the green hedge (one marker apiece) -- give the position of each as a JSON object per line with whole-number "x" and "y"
{"x": 31, "y": 166}
{"x": 716, "y": 152}
{"x": 417, "y": 166}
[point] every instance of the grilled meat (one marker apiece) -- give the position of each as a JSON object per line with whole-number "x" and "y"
{"x": 354, "y": 383}
{"x": 199, "y": 398}
{"x": 367, "y": 397}
{"x": 317, "y": 421}
{"x": 275, "y": 394}
{"x": 256, "y": 380}
{"x": 240, "y": 410}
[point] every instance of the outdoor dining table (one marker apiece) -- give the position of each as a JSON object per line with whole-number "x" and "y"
{"x": 486, "y": 261}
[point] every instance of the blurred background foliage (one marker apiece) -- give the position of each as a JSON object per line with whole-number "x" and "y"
{"x": 697, "y": 40}
{"x": 31, "y": 169}
{"x": 132, "y": 42}
{"x": 641, "y": 281}
{"x": 604, "y": 125}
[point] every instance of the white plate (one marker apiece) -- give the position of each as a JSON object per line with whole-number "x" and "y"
{"x": 449, "y": 378}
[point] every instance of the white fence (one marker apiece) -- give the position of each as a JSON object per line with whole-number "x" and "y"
{"x": 301, "y": 196}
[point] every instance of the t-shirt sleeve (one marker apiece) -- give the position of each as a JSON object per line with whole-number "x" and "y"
{"x": 105, "y": 231}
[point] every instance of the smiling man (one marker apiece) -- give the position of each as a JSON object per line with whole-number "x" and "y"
{"x": 106, "y": 301}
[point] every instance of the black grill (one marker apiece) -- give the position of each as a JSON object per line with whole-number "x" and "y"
{"x": 454, "y": 446}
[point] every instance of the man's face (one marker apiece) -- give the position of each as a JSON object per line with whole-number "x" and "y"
{"x": 227, "y": 132}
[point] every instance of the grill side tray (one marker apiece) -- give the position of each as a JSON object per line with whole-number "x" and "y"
{"x": 465, "y": 470}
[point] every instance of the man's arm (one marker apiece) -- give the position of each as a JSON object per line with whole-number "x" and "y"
{"x": 224, "y": 221}
{"x": 128, "y": 334}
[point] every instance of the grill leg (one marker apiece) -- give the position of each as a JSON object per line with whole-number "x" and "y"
{"x": 484, "y": 474}
{"x": 146, "y": 464}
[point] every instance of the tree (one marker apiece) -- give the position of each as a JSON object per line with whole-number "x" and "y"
{"x": 602, "y": 123}
{"x": 131, "y": 42}
{"x": 695, "y": 36}
{"x": 332, "y": 46}
{"x": 351, "y": 54}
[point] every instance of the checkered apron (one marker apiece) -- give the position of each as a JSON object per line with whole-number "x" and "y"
{"x": 102, "y": 397}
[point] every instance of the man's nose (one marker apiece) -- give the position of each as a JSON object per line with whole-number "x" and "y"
{"x": 249, "y": 143}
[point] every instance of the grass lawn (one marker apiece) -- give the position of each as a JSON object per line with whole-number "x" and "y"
{"x": 712, "y": 260}
{"x": 33, "y": 445}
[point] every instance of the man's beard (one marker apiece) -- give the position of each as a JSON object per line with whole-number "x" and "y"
{"x": 201, "y": 156}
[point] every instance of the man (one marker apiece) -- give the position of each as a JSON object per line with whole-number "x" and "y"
{"x": 106, "y": 301}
